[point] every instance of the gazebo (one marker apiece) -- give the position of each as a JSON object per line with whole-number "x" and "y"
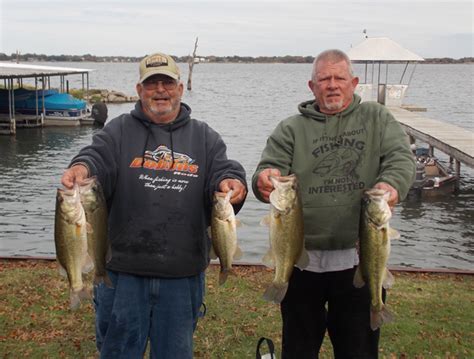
{"x": 376, "y": 52}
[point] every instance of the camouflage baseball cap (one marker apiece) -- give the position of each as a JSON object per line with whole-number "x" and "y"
{"x": 158, "y": 64}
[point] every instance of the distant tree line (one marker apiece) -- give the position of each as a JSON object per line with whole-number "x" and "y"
{"x": 28, "y": 57}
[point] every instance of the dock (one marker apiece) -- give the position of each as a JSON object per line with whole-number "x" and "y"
{"x": 454, "y": 141}
{"x": 15, "y": 76}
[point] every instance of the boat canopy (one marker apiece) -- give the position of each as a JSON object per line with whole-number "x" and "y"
{"x": 381, "y": 49}
{"x": 16, "y": 97}
{"x": 378, "y": 51}
{"x": 10, "y": 70}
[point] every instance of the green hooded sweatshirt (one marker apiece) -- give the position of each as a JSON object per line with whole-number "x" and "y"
{"x": 335, "y": 158}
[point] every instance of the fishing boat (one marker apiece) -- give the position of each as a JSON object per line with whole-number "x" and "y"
{"x": 54, "y": 108}
{"x": 432, "y": 177}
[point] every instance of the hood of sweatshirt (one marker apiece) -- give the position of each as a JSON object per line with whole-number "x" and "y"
{"x": 311, "y": 109}
{"x": 184, "y": 117}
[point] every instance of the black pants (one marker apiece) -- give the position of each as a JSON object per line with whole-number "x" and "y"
{"x": 347, "y": 317}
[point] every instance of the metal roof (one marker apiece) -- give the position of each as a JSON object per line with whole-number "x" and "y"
{"x": 381, "y": 49}
{"x": 12, "y": 70}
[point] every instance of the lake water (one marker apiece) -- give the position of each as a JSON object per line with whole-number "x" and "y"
{"x": 243, "y": 102}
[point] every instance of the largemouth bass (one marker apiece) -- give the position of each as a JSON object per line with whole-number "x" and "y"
{"x": 224, "y": 234}
{"x": 286, "y": 235}
{"x": 374, "y": 251}
{"x": 95, "y": 208}
{"x": 70, "y": 238}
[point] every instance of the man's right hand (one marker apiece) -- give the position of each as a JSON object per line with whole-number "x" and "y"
{"x": 264, "y": 185}
{"x": 76, "y": 173}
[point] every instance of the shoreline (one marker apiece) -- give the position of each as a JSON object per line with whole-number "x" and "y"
{"x": 256, "y": 266}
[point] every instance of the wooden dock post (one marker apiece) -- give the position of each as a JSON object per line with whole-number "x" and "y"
{"x": 7, "y": 126}
{"x": 8, "y": 123}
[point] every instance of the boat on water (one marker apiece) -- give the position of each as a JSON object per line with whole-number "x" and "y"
{"x": 432, "y": 177}
{"x": 52, "y": 107}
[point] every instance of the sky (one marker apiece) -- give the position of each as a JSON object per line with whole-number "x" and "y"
{"x": 429, "y": 28}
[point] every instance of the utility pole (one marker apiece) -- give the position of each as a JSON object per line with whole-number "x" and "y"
{"x": 191, "y": 65}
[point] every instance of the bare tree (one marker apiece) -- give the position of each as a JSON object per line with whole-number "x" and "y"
{"x": 191, "y": 64}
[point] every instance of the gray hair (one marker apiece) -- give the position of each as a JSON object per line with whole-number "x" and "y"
{"x": 333, "y": 56}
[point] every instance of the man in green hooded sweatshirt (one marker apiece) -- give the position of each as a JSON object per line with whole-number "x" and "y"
{"x": 337, "y": 147}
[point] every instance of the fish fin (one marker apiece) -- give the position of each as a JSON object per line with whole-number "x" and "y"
{"x": 209, "y": 232}
{"x": 388, "y": 279}
{"x": 108, "y": 254}
{"x": 358, "y": 279}
{"x": 108, "y": 281}
{"x": 379, "y": 318}
{"x": 268, "y": 259}
{"x": 98, "y": 279}
{"x": 62, "y": 271}
{"x": 212, "y": 253}
{"x": 89, "y": 229}
{"x": 238, "y": 253}
{"x": 265, "y": 222}
{"x": 275, "y": 293}
{"x": 223, "y": 276}
{"x": 87, "y": 264}
{"x": 393, "y": 234}
{"x": 238, "y": 222}
{"x": 303, "y": 261}
{"x": 85, "y": 293}
{"x": 79, "y": 229}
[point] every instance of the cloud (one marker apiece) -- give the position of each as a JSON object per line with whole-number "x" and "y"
{"x": 226, "y": 27}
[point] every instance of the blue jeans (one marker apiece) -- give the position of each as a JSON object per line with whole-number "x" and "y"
{"x": 165, "y": 310}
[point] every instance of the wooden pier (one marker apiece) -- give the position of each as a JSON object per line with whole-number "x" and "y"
{"x": 455, "y": 141}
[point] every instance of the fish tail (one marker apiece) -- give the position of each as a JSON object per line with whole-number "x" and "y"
{"x": 108, "y": 281}
{"x": 275, "y": 293}
{"x": 223, "y": 276}
{"x": 103, "y": 279}
{"x": 74, "y": 301}
{"x": 76, "y": 297}
{"x": 377, "y": 318}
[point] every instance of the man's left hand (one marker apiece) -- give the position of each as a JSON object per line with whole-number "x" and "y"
{"x": 393, "y": 199}
{"x": 239, "y": 190}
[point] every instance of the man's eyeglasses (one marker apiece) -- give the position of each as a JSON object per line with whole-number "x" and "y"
{"x": 152, "y": 84}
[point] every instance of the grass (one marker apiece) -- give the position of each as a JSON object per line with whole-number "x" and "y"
{"x": 434, "y": 316}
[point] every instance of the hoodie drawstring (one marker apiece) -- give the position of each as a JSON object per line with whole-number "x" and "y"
{"x": 338, "y": 136}
{"x": 338, "y": 126}
{"x": 171, "y": 145}
{"x": 148, "y": 132}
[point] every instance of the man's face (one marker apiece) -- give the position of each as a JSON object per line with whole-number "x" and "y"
{"x": 160, "y": 96}
{"x": 333, "y": 86}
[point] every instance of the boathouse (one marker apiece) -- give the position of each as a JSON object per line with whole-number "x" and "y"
{"x": 15, "y": 76}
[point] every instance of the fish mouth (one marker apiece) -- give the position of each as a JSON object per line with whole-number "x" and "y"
{"x": 375, "y": 192}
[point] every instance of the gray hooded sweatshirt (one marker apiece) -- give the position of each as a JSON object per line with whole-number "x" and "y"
{"x": 158, "y": 180}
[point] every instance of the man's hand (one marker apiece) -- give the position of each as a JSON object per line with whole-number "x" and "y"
{"x": 238, "y": 188}
{"x": 264, "y": 185}
{"x": 393, "y": 199}
{"x": 76, "y": 173}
